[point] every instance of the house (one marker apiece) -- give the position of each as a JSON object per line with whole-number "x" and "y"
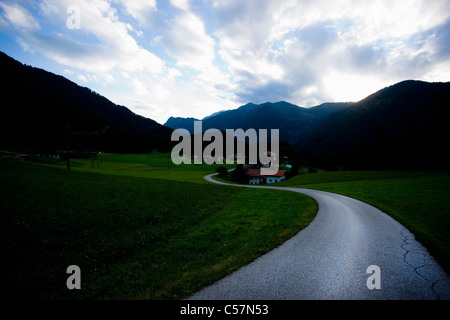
{"x": 256, "y": 177}
{"x": 277, "y": 177}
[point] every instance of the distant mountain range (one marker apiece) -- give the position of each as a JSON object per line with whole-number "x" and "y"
{"x": 43, "y": 112}
{"x": 402, "y": 126}
{"x": 293, "y": 122}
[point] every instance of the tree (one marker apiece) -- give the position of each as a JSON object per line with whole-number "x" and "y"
{"x": 239, "y": 174}
{"x": 293, "y": 171}
{"x": 222, "y": 171}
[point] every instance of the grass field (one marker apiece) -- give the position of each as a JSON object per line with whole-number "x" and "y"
{"x": 418, "y": 200}
{"x": 155, "y": 166}
{"x": 140, "y": 228}
{"x": 136, "y": 229}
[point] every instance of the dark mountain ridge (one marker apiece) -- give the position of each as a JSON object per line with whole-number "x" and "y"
{"x": 400, "y": 126}
{"x": 293, "y": 121}
{"x": 43, "y": 110}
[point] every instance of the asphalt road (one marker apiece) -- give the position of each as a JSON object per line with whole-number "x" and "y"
{"x": 329, "y": 260}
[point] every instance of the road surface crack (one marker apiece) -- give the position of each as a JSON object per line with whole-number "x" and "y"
{"x": 424, "y": 266}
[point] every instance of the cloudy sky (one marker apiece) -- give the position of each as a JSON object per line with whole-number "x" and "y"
{"x": 164, "y": 58}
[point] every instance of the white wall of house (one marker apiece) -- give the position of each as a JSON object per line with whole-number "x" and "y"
{"x": 256, "y": 180}
{"x": 274, "y": 179}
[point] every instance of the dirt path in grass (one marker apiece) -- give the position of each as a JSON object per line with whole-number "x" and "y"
{"x": 351, "y": 250}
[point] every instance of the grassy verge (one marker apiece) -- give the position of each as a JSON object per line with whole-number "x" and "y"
{"x": 155, "y": 165}
{"x": 133, "y": 234}
{"x": 418, "y": 200}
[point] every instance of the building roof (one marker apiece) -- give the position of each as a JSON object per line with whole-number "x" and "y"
{"x": 254, "y": 172}
{"x": 280, "y": 173}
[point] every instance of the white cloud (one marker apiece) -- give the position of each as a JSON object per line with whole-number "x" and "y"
{"x": 350, "y": 87}
{"x": 186, "y": 40}
{"x": 394, "y": 19}
{"x": 82, "y": 78}
{"x": 192, "y": 58}
{"x": 112, "y": 48}
{"x": 439, "y": 72}
{"x": 19, "y": 18}
{"x": 139, "y": 88}
{"x": 283, "y": 47}
{"x": 188, "y": 43}
{"x": 180, "y": 4}
{"x": 140, "y": 10}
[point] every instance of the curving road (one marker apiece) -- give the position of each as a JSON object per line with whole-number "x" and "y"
{"x": 329, "y": 259}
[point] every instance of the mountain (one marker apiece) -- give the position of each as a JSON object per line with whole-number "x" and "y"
{"x": 401, "y": 126}
{"x": 214, "y": 114}
{"x": 179, "y": 122}
{"x": 44, "y": 112}
{"x": 293, "y": 121}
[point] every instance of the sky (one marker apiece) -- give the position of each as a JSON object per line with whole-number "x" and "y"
{"x": 162, "y": 58}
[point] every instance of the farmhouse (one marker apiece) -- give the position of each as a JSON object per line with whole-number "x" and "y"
{"x": 256, "y": 177}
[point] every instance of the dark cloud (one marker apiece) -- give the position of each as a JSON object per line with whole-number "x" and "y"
{"x": 272, "y": 91}
{"x": 364, "y": 58}
{"x": 442, "y": 41}
{"x": 317, "y": 37}
{"x": 249, "y": 20}
{"x": 302, "y": 63}
{"x": 421, "y": 52}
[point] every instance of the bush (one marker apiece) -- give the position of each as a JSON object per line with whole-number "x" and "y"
{"x": 312, "y": 170}
{"x": 222, "y": 171}
{"x": 293, "y": 171}
{"x": 239, "y": 174}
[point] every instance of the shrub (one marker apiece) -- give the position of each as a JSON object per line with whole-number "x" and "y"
{"x": 222, "y": 171}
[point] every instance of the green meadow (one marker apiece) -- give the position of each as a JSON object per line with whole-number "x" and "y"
{"x": 137, "y": 228}
{"x": 140, "y": 227}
